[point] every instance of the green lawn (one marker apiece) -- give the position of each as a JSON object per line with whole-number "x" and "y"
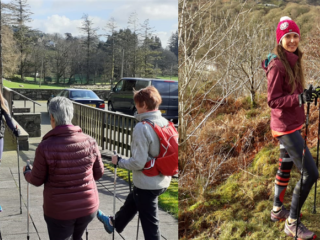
{"x": 168, "y": 77}
{"x": 29, "y": 85}
{"x": 168, "y": 201}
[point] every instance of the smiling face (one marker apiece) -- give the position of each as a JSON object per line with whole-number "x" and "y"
{"x": 290, "y": 42}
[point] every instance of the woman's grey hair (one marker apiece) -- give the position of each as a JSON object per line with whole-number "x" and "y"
{"x": 61, "y": 108}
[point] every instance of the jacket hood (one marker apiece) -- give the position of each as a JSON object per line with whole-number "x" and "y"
{"x": 66, "y": 130}
{"x": 266, "y": 62}
{"x": 291, "y": 57}
{"x": 148, "y": 115}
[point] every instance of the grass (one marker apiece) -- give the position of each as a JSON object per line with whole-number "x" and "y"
{"x": 30, "y": 85}
{"x": 168, "y": 77}
{"x": 168, "y": 201}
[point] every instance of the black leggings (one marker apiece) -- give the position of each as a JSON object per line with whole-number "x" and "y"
{"x": 146, "y": 203}
{"x": 68, "y": 229}
{"x": 293, "y": 144}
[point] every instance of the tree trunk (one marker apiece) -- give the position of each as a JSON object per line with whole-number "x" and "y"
{"x": 253, "y": 98}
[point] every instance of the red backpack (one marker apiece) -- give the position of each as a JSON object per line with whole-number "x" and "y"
{"x": 166, "y": 162}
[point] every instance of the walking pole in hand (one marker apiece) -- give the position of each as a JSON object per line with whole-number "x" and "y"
{"x": 28, "y": 200}
{"x": 114, "y": 194}
{"x": 303, "y": 156}
{"x": 19, "y": 171}
{"x": 315, "y": 186}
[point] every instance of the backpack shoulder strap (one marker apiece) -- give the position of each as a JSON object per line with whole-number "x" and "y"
{"x": 155, "y": 127}
{"x": 152, "y": 124}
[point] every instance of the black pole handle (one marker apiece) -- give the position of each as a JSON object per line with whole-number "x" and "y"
{"x": 28, "y": 165}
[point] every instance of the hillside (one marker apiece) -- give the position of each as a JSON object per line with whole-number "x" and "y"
{"x": 229, "y": 162}
{"x": 306, "y": 15}
{"x": 239, "y": 206}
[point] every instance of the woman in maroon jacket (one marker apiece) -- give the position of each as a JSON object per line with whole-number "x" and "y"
{"x": 68, "y": 163}
{"x": 286, "y": 98}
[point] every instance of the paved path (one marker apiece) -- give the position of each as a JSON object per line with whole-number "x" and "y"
{"x": 13, "y": 225}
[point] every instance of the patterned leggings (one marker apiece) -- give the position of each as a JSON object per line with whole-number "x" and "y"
{"x": 291, "y": 148}
{"x": 282, "y": 177}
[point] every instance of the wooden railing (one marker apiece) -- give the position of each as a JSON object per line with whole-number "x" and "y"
{"x": 112, "y": 131}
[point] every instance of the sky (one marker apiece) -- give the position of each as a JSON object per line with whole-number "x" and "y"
{"x": 62, "y": 16}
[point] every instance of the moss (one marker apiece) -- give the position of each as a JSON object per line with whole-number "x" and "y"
{"x": 262, "y": 205}
{"x": 263, "y": 162}
{"x": 228, "y": 189}
{"x": 233, "y": 230}
{"x": 223, "y": 215}
{"x": 195, "y": 206}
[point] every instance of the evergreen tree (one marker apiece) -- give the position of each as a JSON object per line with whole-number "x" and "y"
{"x": 173, "y": 43}
{"x": 90, "y": 41}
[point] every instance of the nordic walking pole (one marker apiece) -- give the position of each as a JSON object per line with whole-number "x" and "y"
{"x": 28, "y": 201}
{"x": 0, "y": 228}
{"x": 138, "y": 215}
{"x": 129, "y": 181}
{"x": 315, "y": 185}
{"x": 138, "y": 228}
{"x": 114, "y": 195}
{"x": 303, "y": 156}
{"x": 19, "y": 170}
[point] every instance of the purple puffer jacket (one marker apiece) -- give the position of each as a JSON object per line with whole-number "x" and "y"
{"x": 67, "y": 162}
{"x": 286, "y": 114}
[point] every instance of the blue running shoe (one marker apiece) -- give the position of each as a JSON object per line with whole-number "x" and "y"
{"x": 106, "y": 221}
{"x": 0, "y": 209}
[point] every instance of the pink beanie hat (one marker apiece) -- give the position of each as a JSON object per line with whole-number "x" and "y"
{"x": 286, "y": 26}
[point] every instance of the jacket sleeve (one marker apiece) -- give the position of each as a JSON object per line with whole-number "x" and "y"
{"x": 98, "y": 168}
{"x": 8, "y": 118}
{"x": 277, "y": 98}
{"x": 39, "y": 172}
{"x": 139, "y": 149}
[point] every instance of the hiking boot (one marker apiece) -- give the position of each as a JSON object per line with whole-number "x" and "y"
{"x": 303, "y": 232}
{"x": 282, "y": 215}
{"x": 106, "y": 221}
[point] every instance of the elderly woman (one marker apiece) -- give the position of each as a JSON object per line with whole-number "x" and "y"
{"x": 68, "y": 163}
{"x": 145, "y": 146}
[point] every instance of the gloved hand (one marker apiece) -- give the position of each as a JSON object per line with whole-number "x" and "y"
{"x": 308, "y": 96}
{"x": 16, "y": 132}
{"x": 317, "y": 89}
{"x": 27, "y": 168}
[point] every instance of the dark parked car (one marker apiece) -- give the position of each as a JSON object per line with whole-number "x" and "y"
{"x": 83, "y": 96}
{"x": 121, "y": 96}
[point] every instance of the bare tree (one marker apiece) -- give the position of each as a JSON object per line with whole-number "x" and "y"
{"x": 61, "y": 56}
{"x": 255, "y": 42}
{"x": 10, "y": 52}
{"x": 133, "y": 22}
{"x": 312, "y": 55}
{"x": 204, "y": 36}
{"x": 20, "y": 16}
